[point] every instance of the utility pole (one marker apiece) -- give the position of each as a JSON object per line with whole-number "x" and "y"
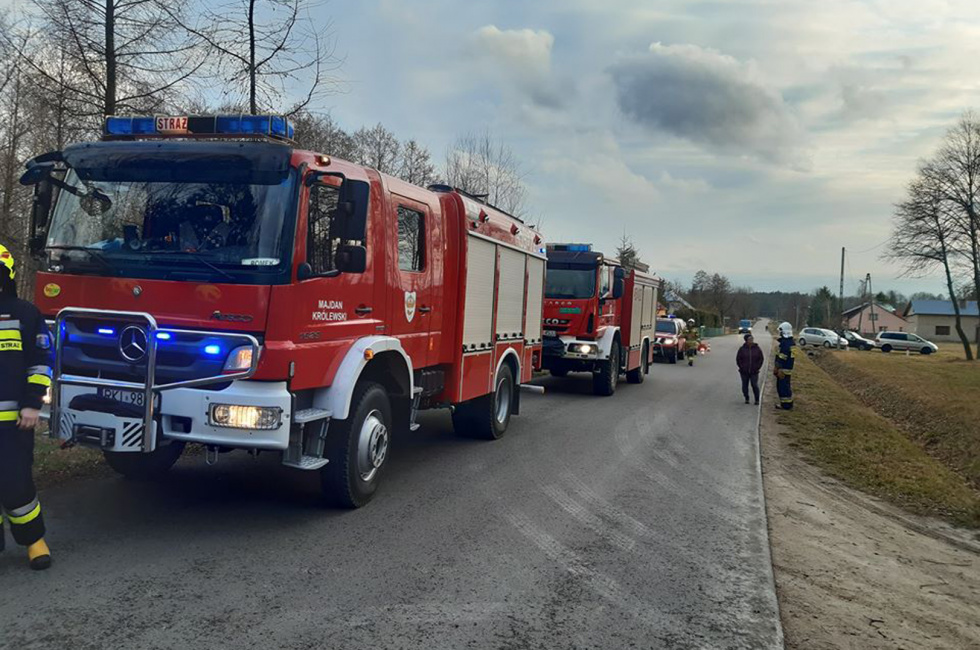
{"x": 840, "y": 303}
{"x": 871, "y": 297}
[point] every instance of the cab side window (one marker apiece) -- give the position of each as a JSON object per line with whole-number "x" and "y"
{"x": 603, "y": 280}
{"x": 323, "y": 236}
{"x": 411, "y": 239}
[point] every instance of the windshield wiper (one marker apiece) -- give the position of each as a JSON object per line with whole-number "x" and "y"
{"x": 194, "y": 256}
{"x": 93, "y": 253}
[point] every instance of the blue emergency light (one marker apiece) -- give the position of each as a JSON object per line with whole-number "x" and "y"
{"x": 213, "y": 350}
{"x": 163, "y": 336}
{"x": 276, "y": 126}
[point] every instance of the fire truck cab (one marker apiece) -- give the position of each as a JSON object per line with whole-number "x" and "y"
{"x": 598, "y": 317}
{"x": 209, "y": 282}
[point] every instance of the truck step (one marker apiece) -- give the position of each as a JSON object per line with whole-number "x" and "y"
{"x": 307, "y": 462}
{"x": 310, "y": 415}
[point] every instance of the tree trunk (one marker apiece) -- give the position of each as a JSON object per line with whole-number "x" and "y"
{"x": 964, "y": 339}
{"x": 110, "y": 57}
{"x": 252, "y": 107}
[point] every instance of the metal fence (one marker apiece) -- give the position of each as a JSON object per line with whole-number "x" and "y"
{"x": 712, "y": 331}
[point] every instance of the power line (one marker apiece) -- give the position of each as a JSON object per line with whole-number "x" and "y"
{"x": 868, "y": 250}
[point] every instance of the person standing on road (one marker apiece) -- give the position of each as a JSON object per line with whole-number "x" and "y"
{"x": 25, "y": 375}
{"x": 785, "y": 360}
{"x": 749, "y": 359}
{"x": 693, "y": 338}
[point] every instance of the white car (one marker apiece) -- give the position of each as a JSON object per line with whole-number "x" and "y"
{"x": 889, "y": 341}
{"x": 817, "y": 336}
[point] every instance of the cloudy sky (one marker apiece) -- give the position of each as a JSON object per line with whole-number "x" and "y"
{"x": 754, "y": 138}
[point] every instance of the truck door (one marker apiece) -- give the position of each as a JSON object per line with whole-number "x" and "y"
{"x": 410, "y": 301}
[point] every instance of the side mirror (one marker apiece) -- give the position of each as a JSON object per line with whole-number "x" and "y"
{"x": 618, "y": 287}
{"x": 36, "y": 244}
{"x": 351, "y": 259}
{"x": 304, "y": 272}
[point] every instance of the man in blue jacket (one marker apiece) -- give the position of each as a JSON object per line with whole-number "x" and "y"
{"x": 783, "y": 368}
{"x": 25, "y": 375}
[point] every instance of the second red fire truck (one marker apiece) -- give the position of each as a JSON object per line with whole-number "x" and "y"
{"x": 212, "y": 283}
{"x": 598, "y": 317}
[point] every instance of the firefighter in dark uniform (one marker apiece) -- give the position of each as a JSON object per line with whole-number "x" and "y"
{"x": 785, "y": 359}
{"x": 25, "y": 375}
{"x": 692, "y": 336}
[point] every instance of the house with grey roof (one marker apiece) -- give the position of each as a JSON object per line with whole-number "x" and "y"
{"x": 934, "y": 320}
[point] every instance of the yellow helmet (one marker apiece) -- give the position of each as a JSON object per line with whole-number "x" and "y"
{"x": 7, "y": 261}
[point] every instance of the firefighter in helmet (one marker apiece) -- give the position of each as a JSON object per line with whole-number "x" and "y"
{"x": 693, "y": 341}
{"x": 785, "y": 360}
{"x": 25, "y": 375}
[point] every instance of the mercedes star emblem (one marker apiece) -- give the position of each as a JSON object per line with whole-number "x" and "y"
{"x": 133, "y": 343}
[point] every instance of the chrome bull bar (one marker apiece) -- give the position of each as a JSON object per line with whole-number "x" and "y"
{"x": 149, "y": 387}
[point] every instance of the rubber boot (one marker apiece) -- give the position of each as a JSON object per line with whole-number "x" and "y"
{"x": 40, "y": 555}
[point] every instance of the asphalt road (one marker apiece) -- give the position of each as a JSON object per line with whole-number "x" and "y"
{"x": 635, "y": 521}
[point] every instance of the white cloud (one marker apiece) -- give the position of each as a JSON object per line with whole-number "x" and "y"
{"x": 518, "y": 58}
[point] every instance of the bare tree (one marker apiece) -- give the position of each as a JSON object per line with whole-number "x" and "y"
{"x": 377, "y": 147}
{"x": 264, "y": 48}
{"x": 123, "y": 55}
{"x": 320, "y": 133}
{"x": 484, "y": 166}
{"x": 416, "y": 164}
{"x": 922, "y": 232}
{"x": 955, "y": 173}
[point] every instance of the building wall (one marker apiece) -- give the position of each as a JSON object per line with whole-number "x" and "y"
{"x": 925, "y": 326}
{"x": 885, "y": 321}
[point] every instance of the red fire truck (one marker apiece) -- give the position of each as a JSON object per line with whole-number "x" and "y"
{"x": 211, "y": 283}
{"x": 598, "y": 317}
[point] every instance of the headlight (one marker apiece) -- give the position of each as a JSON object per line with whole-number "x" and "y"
{"x": 239, "y": 360}
{"x": 236, "y": 416}
{"x": 582, "y": 348}
{"x": 669, "y": 341}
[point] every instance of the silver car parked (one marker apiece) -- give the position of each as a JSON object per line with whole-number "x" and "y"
{"x": 888, "y": 341}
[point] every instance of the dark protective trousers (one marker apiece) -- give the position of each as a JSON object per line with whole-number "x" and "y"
{"x": 752, "y": 379}
{"x": 784, "y": 388}
{"x": 21, "y": 509}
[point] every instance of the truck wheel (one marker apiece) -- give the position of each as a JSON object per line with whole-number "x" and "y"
{"x": 636, "y": 375}
{"x": 604, "y": 382}
{"x": 559, "y": 372}
{"x": 145, "y": 467}
{"x": 487, "y": 417}
{"x": 358, "y": 448}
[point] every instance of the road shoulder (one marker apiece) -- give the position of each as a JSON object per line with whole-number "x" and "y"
{"x": 854, "y": 572}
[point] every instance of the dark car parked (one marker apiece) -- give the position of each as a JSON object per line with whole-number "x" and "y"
{"x": 857, "y": 341}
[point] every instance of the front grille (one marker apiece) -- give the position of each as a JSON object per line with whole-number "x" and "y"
{"x": 88, "y": 352}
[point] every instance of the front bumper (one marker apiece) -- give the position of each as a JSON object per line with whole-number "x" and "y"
{"x": 181, "y": 414}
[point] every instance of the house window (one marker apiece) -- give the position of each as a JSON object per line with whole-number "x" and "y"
{"x": 411, "y": 240}
{"x": 942, "y": 330}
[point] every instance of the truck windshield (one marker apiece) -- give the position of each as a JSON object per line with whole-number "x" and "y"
{"x": 570, "y": 283}
{"x": 208, "y": 226}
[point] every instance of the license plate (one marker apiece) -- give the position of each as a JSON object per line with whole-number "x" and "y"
{"x": 550, "y": 333}
{"x": 171, "y": 124}
{"x": 134, "y": 397}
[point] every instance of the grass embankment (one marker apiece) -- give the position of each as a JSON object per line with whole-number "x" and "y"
{"x": 867, "y": 451}
{"x": 53, "y": 465}
{"x": 934, "y": 399}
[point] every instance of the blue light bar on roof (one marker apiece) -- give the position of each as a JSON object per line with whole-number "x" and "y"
{"x": 271, "y": 125}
